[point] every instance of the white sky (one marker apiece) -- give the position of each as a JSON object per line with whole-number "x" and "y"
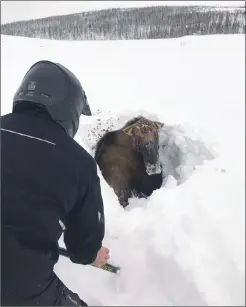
{"x": 24, "y": 10}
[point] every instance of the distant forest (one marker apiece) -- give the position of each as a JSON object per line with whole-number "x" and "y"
{"x": 133, "y": 23}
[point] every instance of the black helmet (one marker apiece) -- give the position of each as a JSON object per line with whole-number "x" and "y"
{"x": 55, "y": 88}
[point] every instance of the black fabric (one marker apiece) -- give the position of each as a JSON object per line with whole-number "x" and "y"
{"x": 69, "y": 298}
{"x": 45, "y": 177}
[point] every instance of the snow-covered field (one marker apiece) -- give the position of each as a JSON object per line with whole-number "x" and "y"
{"x": 185, "y": 245}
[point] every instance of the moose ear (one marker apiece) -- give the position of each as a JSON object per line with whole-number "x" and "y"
{"x": 158, "y": 125}
{"x": 128, "y": 130}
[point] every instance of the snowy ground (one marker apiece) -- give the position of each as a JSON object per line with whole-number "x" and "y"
{"x": 185, "y": 245}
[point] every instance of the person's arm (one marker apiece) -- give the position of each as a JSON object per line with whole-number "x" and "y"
{"x": 85, "y": 228}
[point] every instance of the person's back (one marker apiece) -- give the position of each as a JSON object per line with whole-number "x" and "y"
{"x": 49, "y": 185}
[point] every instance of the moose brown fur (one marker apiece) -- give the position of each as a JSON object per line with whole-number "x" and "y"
{"x": 129, "y": 160}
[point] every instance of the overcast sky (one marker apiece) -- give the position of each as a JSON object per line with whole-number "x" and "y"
{"x": 23, "y": 10}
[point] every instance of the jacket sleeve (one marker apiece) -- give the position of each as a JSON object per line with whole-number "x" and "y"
{"x": 85, "y": 225}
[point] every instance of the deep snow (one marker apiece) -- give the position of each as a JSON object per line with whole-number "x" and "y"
{"x": 185, "y": 245}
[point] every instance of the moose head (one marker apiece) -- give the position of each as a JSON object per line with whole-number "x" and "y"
{"x": 145, "y": 137}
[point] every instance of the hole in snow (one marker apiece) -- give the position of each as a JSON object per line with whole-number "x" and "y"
{"x": 180, "y": 150}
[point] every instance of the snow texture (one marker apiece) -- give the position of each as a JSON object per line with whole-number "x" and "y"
{"x": 185, "y": 244}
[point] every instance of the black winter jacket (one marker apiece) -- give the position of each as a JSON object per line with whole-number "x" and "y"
{"x": 48, "y": 181}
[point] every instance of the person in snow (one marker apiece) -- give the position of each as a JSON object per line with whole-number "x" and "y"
{"x": 49, "y": 187}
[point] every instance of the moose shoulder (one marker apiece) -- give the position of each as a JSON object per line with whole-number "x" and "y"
{"x": 129, "y": 159}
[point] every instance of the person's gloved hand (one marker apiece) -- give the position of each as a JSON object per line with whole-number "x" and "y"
{"x": 102, "y": 257}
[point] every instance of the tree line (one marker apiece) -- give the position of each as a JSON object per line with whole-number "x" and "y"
{"x": 134, "y": 23}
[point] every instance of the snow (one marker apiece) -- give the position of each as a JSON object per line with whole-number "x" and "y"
{"x": 184, "y": 245}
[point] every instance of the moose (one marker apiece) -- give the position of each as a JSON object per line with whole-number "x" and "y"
{"x": 129, "y": 159}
